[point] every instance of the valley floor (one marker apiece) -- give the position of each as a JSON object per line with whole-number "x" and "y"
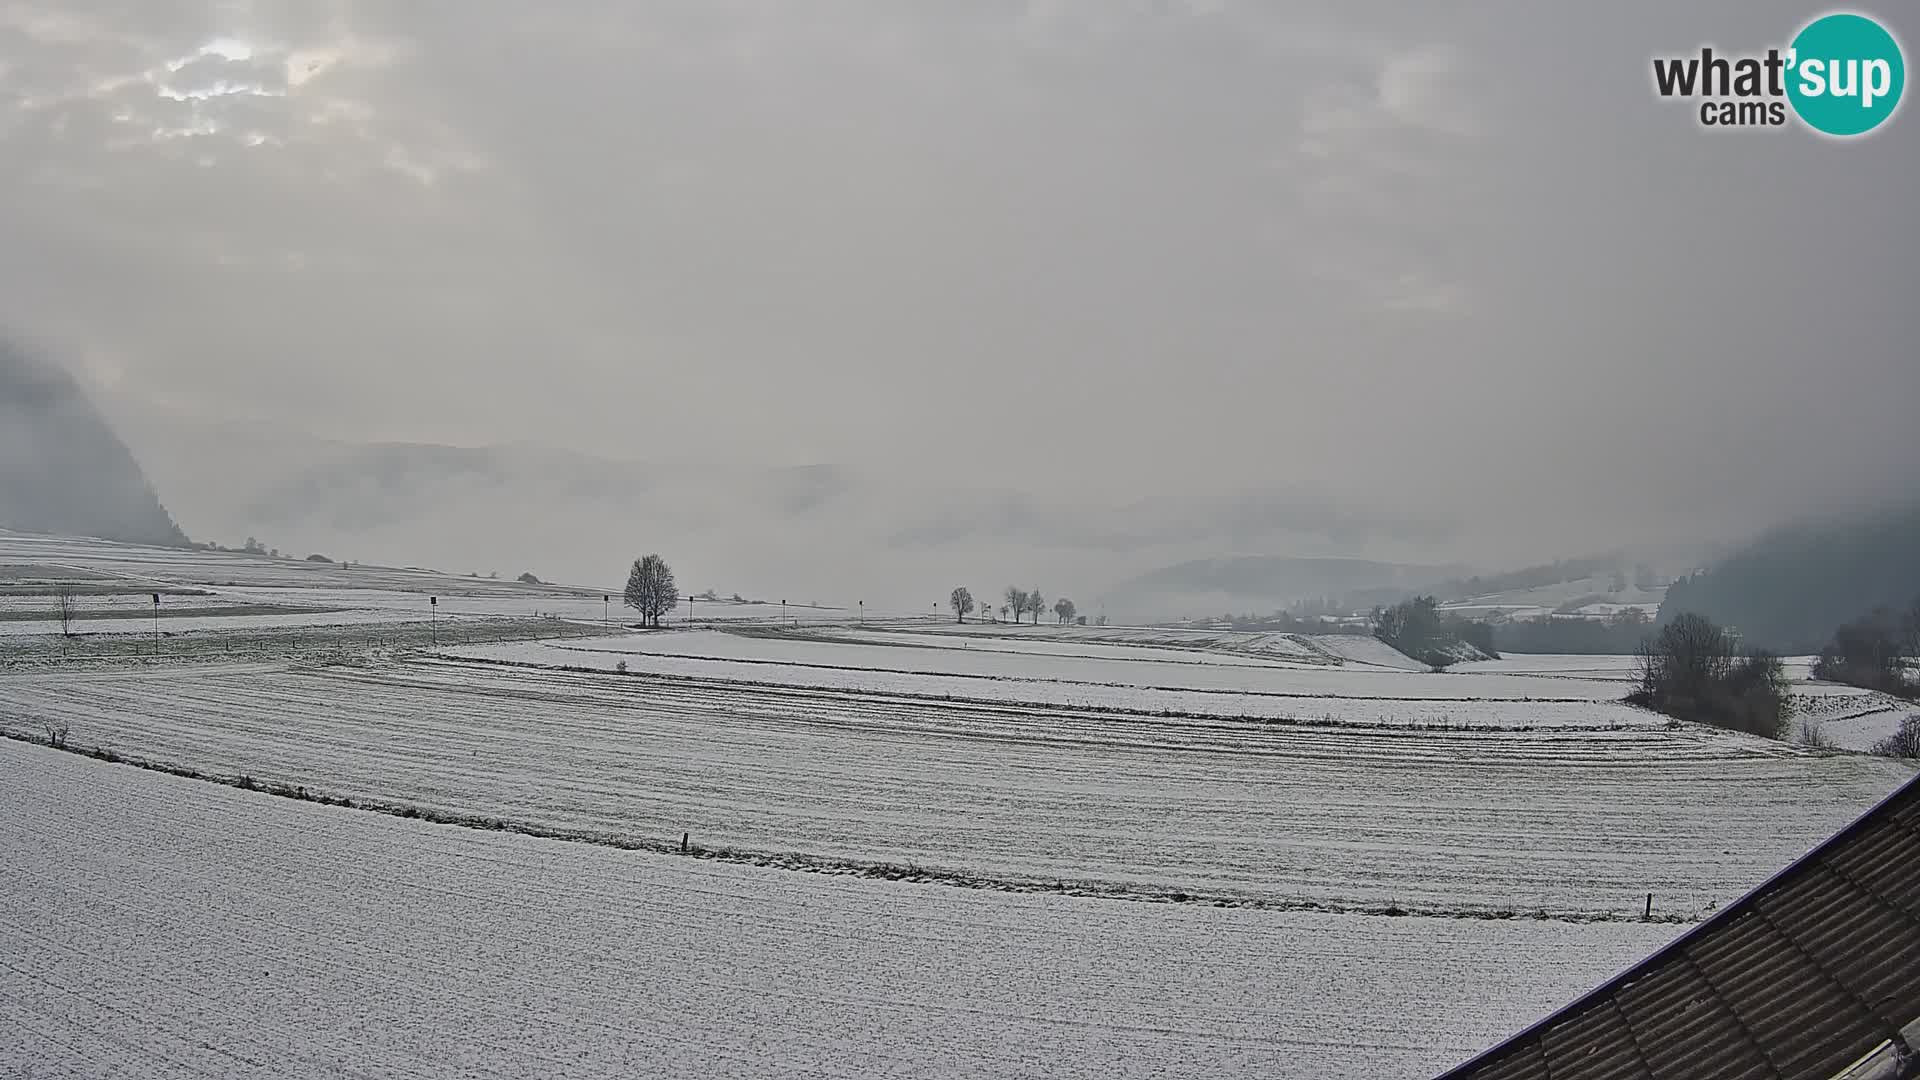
{"x": 1184, "y": 853}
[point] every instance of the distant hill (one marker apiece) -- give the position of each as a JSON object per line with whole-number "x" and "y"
{"x": 1262, "y": 583}
{"x": 1790, "y": 588}
{"x": 62, "y": 468}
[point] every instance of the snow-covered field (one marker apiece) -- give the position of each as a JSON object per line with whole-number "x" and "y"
{"x": 1570, "y": 665}
{"x": 1580, "y": 822}
{"x": 309, "y": 593}
{"x": 1067, "y": 642}
{"x": 1308, "y": 648}
{"x": 165, "y": 928}
{"x": 1853, "y": 720}
{"x": 1184, "y": 852}
{"x": 1312, "y": 701}
{"x": 1590, "y": 598}
{"x": 783, "y": 653}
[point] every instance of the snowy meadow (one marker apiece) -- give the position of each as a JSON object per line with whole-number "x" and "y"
{"x": 843, "y": 843}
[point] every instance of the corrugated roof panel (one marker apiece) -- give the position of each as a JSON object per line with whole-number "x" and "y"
{"x": 1801, "y": 978}
{"x": 1597, "y": 1045}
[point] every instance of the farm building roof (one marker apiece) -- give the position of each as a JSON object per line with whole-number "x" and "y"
{"x": 1814, "y": 974}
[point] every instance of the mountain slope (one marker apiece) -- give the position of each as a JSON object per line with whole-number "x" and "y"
{"x": 62, "y": 468}
{"x": 1790, "y": 588}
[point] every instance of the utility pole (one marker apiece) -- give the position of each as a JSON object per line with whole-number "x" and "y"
{"x": 433, "y": 619}
{"x": 863, "y": 613}
{"x": 783, "y": 613}
{"x": 156, "y": 624}
{"x": 606, "y": 611}
{"x": 690, "y": 599}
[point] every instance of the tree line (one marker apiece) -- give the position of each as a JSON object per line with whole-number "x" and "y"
{"x": 1694, "y": 669}
{"x": 651, "y": 592}
{"x": 1018, "y": 602}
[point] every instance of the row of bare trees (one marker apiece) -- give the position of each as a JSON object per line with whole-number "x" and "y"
{"x": 1018, "y": 602}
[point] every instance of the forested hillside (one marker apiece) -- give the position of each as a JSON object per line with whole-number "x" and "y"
{"x": 1790, "y": 588}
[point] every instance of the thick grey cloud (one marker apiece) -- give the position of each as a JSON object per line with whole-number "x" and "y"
{"x": 1448, "y": 263}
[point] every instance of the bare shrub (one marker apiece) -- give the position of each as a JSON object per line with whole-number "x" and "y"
{"x": 1812, "y": 735}
{"x": 57, "y": 735}
{"x": 63, "y": 603}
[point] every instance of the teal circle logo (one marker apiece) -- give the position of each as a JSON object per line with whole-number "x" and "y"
{"x": 1845, "y": 74}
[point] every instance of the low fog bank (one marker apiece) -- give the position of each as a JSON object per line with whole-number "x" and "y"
{"x": 830, "y": 534}
{"x": 838, "y": 534}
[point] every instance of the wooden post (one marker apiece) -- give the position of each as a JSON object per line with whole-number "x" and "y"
{"x": 683, "y": 842}
{"x": 1649, "y": 915}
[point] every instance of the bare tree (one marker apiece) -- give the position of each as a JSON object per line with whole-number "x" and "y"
{"x": 1904, "y": 742}
{"x": 1063, "y": 610}
{"x": 962, "y": 601}
{"x": 1016, "y": 603}
{"x": 1690, "y": 655}
{"x": 1003, "y": 611}
{"x": 63, "y": 600}
{"x": 650, "y": 589}
{"x": 1036, "y": 603}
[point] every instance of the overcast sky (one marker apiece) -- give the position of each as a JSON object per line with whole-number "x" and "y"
{"x": 1403, "y": 253}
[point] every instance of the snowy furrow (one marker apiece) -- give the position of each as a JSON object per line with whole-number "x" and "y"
{"x": 179, "y": 930}
{"x": 789, "y": 653}
{"x": 1578, "y": 821}
{"x": 1412, "y": 711}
